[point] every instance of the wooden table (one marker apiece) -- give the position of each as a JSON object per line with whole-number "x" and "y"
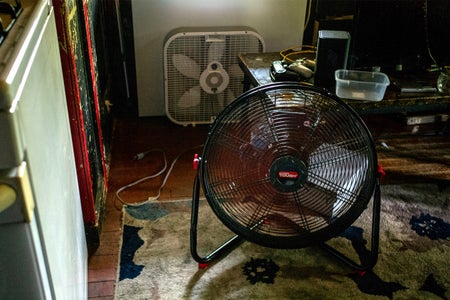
{"x": 256, "y": 68}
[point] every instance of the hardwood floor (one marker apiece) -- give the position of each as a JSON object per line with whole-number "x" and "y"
{"x": 408, "y": 156}
{"x": 102, "y": 271}
{"x": 411, "y": 152}
{"x": 130, "y": 137}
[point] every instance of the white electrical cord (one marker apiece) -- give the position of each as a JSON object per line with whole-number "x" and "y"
{"x": 160, "y": 172}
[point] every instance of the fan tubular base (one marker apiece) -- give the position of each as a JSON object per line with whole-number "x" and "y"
{"x": 225, "y": 248}
{"x": 368, "y": 262}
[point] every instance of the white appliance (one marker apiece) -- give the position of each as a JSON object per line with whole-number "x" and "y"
{"x": 280, "y": 23}
{"x": 43, "y": 251}
{"x": 202, "y": 73}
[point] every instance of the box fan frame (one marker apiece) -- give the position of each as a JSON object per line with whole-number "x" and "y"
{"x": 201, "y": 70}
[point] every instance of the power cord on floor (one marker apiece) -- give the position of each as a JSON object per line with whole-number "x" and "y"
{"x": 140, "y": 156}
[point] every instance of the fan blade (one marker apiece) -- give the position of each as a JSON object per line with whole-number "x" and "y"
{"x": 281, "y": 221}
{"x": 186, "y": 66}
{"x": 215, "y": 51}
{"x": 235, "y": 71}
{"x": 190, "y": 98}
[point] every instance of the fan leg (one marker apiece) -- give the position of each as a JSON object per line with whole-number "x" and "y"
{"x": 372, "y": 256}
{"x": 225, "y": 248}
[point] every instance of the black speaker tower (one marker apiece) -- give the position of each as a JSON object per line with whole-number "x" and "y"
{"x": 332, "y": 53}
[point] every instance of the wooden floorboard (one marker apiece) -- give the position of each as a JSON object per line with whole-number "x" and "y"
{"x": 131, "y": 137}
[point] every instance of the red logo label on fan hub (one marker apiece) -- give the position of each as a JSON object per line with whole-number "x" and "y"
{"x": 288, "y": 174}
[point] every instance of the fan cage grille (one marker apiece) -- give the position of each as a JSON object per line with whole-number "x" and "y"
{"x": 195, "y": 45}
{"x": 299, "y": 123}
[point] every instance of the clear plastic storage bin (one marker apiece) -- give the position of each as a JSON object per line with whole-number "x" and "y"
{"x": 361, "y": 85}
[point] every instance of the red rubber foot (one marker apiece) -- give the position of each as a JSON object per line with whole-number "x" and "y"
{"x": 203, "y": 265}
{"x": 361, "y": 273}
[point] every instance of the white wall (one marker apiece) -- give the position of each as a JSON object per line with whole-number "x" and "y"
{"x": 279, "y": 22}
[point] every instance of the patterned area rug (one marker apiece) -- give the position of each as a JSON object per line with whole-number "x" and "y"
{"x": 413, "y": 260}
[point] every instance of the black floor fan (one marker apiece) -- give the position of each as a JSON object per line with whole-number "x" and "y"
{"x": 288, "y": 165}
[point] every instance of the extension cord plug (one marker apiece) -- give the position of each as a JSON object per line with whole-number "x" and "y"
{"x": 139, "y": 156}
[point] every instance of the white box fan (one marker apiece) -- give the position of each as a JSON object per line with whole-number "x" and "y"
{"x": 201, "y": 71}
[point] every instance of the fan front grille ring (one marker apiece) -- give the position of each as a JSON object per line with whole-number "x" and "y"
{"x": 286, "y": 164}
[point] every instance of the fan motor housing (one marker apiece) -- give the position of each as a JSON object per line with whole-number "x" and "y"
{"x": 288, "y": 173}
{"x": 214, "y": 79}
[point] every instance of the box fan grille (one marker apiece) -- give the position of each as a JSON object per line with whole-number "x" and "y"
{"x": 201, "y": 71}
